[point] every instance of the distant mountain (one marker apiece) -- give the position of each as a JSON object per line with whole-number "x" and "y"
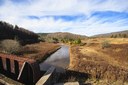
{"x": 61, "y": 35}
{"x": 120, "y": 34}
{"x": 8, "y": 31}
{"x": 43, "y": 34}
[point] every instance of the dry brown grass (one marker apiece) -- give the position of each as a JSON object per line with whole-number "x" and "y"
{"x": 39, "y": 51}
{"x": 10, "y": 46}
{"x": 109, "y": 63}
{"x": 111, "y": 40}
{"x": 105, "y": 82}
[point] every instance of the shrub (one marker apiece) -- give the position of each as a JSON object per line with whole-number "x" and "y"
{"x": 112, "y": 36}
{"x": 10, "y": 46}
{"x": 124, "y": 35}
{"x": 115, "y": 36}
{"x": 78, "y": 41}
{"x": 105, "y": 44}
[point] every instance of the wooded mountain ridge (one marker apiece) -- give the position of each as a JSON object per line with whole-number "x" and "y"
{"x": 120, "y": 34}
{"x": 62, "y": 35}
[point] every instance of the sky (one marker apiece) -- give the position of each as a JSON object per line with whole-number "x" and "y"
{"x": 84, "y": 17}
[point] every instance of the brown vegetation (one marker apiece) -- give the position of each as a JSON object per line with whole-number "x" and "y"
{"x": 10, "y": 46}
{"x": 39, "y": 51}
{"x": 110, "y": 63}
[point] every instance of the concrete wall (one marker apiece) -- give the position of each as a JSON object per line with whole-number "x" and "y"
{"x": 22, "y": 69}
{"x": 47, "y": 78}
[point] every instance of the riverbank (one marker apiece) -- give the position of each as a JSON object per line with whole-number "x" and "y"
{"x": 47, "y": 55}
{"x": 59, "y": 59}
{"x": 110, "y": 63}
{"x": 39, "y": 51}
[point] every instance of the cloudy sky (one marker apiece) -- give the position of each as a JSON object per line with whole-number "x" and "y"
{"x": 86, "y": 17}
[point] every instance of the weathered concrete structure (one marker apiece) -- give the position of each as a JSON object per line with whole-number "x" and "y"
{"x": 27, "y": 71}
{"x": 24, "y": 70}
{"x": 47, "y": 78}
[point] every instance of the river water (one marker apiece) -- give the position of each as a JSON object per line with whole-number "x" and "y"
{"x": 59, "y": 59}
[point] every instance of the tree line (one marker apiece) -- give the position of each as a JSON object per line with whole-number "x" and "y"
{"x": 119, "y": 36}
{"x": 8, "y": 31}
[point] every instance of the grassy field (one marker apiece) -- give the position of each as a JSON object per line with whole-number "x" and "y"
{"x": 109, "y": 63}
{"x": 39, "y": 51}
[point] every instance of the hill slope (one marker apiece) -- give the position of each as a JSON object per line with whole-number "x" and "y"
{"x": 61, "y": 35}
{"x": 8, "y": 31}
{"x": 121, "y": 34}
{"x": 64, "y": 37}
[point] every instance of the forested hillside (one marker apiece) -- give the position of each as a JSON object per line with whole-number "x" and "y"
{"x": 8, "y": 31}
{"x": 60, "y": 37}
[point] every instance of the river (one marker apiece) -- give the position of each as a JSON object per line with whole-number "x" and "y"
{"x": 59, "y": 59}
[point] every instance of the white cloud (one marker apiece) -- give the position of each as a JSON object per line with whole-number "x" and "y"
{"x": 16, "y": 14}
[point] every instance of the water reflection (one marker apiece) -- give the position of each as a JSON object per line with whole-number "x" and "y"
{"x": 60, "y": 59}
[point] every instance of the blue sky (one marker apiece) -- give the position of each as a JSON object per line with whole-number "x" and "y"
{"x": 85, "y": 17}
